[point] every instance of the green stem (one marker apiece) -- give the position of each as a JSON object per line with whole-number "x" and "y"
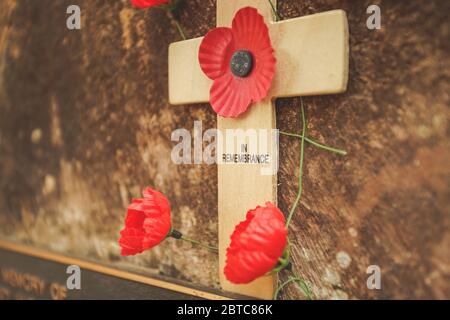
{"x": 180, "y": 29}
{"x": 197, "y": 243}
{"x": 283, "y": 262}
{"x": 177, "y": 23}
{"x": 170, "y": 9}
{"x": 300, "y": 174}
{"x": 303, "y": 286}
{"x": 317, "y": 144}
{"x": 277, "y": 16}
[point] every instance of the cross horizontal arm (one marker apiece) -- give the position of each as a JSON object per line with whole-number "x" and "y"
{"x": 312, "y": 59}
{"x": 312, "y": 55}
{"x": 187, "y": 82}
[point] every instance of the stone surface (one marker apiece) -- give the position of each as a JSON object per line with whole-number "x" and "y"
{"x": 85, "y": 124}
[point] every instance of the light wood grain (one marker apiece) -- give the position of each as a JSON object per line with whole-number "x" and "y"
{"x": 243, "y": 187}
{"x": 187, "y": 82}
{"x": 312, "y": 54}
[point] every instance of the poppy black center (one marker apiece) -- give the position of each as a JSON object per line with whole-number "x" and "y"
{"x": 241, "y": 63}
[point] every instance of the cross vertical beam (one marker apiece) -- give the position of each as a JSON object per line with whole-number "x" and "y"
{"x": 242, "y": 186}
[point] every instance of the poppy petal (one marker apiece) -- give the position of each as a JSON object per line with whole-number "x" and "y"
{"x": 251, "y": 33}
{"x": 249, "y": 30}
{"x": 156, "y": 199}
{"x": 215, "y": 52}
{"x": 135, "y": 215}
{"x": 143, "y": 4}
{"x": 156, "y": 230}
{"x": 147, "y": 223}
{"x": 229, "y": 96}
{"x": 256, "y": 244}
{"x": 131, "y": 241}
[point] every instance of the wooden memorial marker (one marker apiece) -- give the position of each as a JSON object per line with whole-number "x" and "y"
{"x": 312, "y": 59}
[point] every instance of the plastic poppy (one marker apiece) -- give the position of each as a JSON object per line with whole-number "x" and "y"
{"x": 257, "y": 244}
{"x": 241, "y": 62}
{"x": 147, "y": 223}
{"x": 142, "y": 4}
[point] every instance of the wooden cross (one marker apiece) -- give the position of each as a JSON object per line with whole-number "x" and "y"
{"x": 312, "y": 59}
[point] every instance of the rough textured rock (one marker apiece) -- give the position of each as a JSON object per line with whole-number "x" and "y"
{"x": 85, "y": 124}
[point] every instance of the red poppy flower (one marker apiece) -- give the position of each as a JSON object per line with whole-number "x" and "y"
{"x": 256, "y": 244}
{"x": 142, "y": 4}
{"x": 241, "y": 62}
{"x": 147, "y": 223}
